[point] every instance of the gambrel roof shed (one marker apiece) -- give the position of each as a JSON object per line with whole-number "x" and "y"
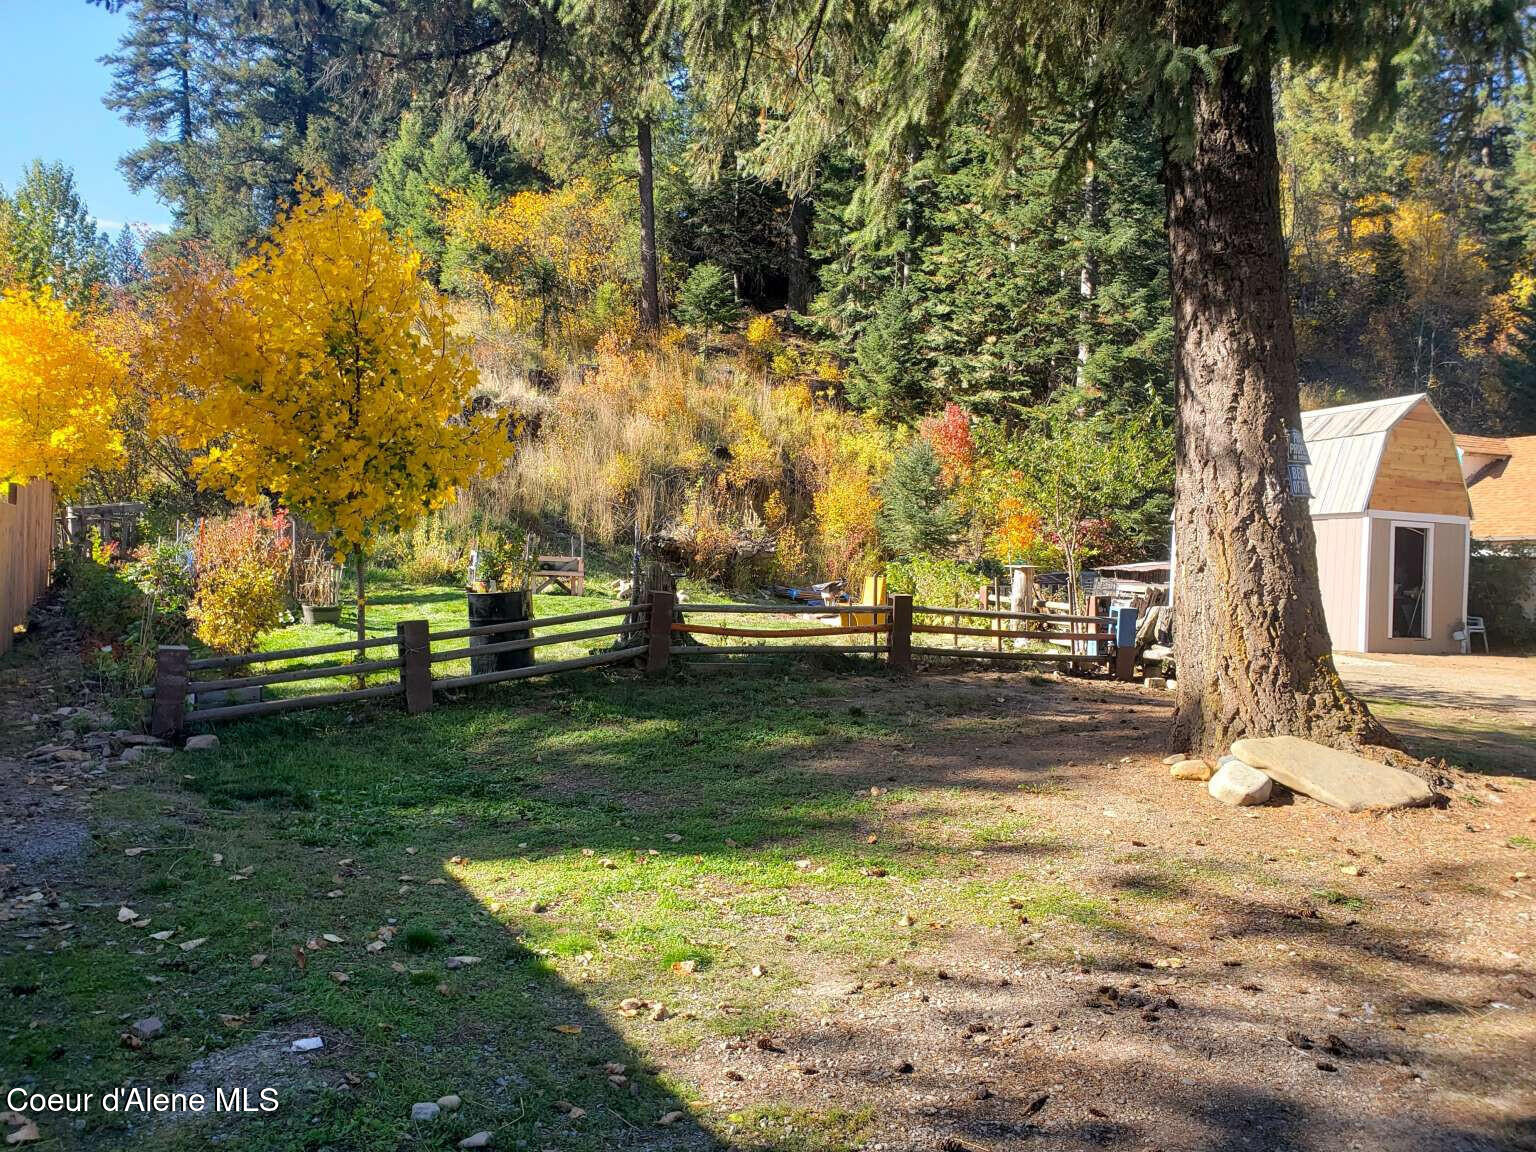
{"x": 1390, "y": 514}
{"x": 1395, "y": 455}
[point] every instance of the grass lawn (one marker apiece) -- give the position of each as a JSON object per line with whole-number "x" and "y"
{"x": 761, "y": 910}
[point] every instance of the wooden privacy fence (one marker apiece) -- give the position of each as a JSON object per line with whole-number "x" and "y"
{"x": 652, "y": 633}
{"x": 26, "y": 552}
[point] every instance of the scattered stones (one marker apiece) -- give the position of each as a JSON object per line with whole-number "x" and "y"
{"x": 1170, "y": 761}
{"x": 449, "y": 1103}
{"x": 1190, "y": 770}
{"x": 148, "y": 1028}
{"x": 207, "y": 742}
{"x": 425, "y": 1110}
{"x": 1239, "y": 785}
{"x": 307, "y": 1044}
{"x": 478, "y": 1140}
{"x": 1340, "y": 779}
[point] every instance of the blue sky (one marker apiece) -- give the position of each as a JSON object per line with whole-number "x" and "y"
{"x": 51, "y": 86}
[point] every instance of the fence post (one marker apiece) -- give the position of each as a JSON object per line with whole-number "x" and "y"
{"x": 414, "y": 641}
{"x": 900, "y": 654}
{"x": 660, "y": 632}
{"x": 169, "y": 713}
{"x": 1123, "y": 625}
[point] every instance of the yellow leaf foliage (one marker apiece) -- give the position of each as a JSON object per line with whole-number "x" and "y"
{"x": 562, "y": 263}
{"x": 323, "y": 376}
{"x": 59, "y": 387}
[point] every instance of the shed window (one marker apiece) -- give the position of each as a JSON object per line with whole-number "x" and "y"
{"x": 1410, "y": 578}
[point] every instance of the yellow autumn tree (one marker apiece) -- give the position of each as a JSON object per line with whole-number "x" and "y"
{"x": 323, "y": 375}
{"x": 59, "y": 388}
{"x": 561, "y": 264}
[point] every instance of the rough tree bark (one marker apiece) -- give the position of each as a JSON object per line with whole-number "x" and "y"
{"x": 799, "y": 255}
{"x": 1250, "y": 640}
{"x": 650, "y": 292}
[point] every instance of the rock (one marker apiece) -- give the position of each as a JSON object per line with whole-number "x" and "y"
{"x": 1190, "y": 770}
{"x": 204, "y": 743}
{"x": 148, "y": 1028}
{"x": 1340, "y": 779}
{"x": 426, "y": 1110}
{"x": 308, "y": 1043}
{"x": 1155, "y": 682}
{"x": 1239, "y": 785}
{"x": 137, "y": 739}
{"x": 1170, "y": 761}
{"x": 449, "y": 1103}
{"x": 478, "y": 1140}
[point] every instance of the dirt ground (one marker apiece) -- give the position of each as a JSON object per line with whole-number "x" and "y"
{"x": 1280, "y": 978}
{"x": 1287, "y": 977}
{"x": 1475, "y": 710}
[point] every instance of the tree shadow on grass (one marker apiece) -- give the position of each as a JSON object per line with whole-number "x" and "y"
{"x": 571, "y": 796}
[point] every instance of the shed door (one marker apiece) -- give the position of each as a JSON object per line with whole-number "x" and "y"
{"x": 1410, "y": 581}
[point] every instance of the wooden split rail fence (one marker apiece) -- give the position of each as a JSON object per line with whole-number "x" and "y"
{"x": 650, "y": 633}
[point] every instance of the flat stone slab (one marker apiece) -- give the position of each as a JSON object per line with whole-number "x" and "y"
{"x": 1340, "y": 779}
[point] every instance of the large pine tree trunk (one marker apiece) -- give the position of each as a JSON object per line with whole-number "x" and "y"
{"x": 799, "y": 295}
{"x": 650, "y": 291}
{"x": 1250, "y": 640}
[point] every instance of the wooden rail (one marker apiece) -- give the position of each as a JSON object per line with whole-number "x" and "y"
{"x": 662, "y": 625}
{"x": 178, "y": 698}
{"x": 670, "y": 618}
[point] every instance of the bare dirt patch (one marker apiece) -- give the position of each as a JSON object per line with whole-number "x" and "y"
{"x": 1287, "y": 977}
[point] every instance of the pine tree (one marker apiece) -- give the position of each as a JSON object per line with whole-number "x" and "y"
{"x": 1250, "y": 639}
{"x": 415, "y": 171}
{"x": 170, "y": 79}
{"x": 915, "y": 512}
{"x": 707, "y": 301}
{"x": 886, "y": 376}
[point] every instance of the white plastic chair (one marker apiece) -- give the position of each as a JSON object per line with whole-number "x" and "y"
{"x": 1474, "y": 627}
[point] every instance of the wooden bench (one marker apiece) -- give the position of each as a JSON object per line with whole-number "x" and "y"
{"x": 567, "y": 573}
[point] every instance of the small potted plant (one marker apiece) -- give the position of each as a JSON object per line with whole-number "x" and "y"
{"x": 317, "y": 585}
{"x": 500, "y": 592}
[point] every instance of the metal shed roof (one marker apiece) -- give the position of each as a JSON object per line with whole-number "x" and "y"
{"x": 1345, "y": 446}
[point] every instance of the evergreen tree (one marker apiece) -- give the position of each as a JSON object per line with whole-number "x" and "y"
{"x": 171, "y": 78}
{"x": 915, "y": 513}
{"x": 707, "y": 301}
{"x": 415, "y": 169}
{"x": 1250, "y": 639}
{"x": 125, "y": 260}
{"x": 886, "y": 376}
{"x": 239, "y": 98}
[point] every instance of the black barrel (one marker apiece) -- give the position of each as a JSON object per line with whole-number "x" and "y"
{"x": 500, "y": 608}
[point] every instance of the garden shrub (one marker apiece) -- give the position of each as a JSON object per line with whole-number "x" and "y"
{"x": 1499, "y": 589}
{"x": 242, "y": 579}
{"x": 105, "y": 606}
{"x": 933, "y": 580}
{"x": 163, "y": 571}
{"x": 432, "y": 556}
